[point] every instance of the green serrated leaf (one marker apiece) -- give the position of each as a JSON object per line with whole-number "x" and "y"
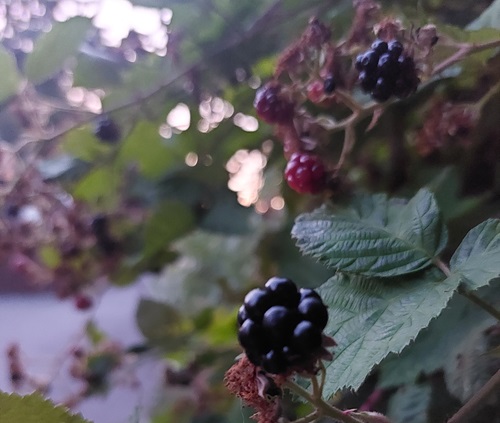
{"x": 33, "y": 409}
{"x": 476, "y": 261}
{"x": 370, "y": 318}
{"x": 53, "y": 48}
{"x": 433, "y": 347}
{"x": 9, "y": 83}
{"x": 375, "y": 236}
{"x": 410, "y": 404}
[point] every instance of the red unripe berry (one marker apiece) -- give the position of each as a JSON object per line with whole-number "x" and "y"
{"x": 315, "y": 92}
{"x": 83, "y": 302}
{"x": 272, "y": 105}
{"x": 305, "y": 173}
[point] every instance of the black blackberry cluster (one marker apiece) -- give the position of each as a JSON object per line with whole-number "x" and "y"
{"x": 384, "y": 71}
{"x": 280, "y": 327}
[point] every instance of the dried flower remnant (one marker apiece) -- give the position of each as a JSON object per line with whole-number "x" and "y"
{"x": 256, "y": 389}
{"x": 446, "y": 125}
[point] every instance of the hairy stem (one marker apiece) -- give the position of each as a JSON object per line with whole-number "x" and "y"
{"x": 321, "y": 405}
{"x": 479, "y": 301}
{"x": 470, "y": 407}
{"x": 309, "y": 418}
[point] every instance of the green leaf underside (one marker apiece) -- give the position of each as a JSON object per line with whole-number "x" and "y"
{"x": 33, "y": 409}
{"x": 410, "y": 404}
{"x": 376, "y": 236}
{"x": 433, "y": 347}
{"x": 9, "y": 83}
{"x": 477, "y": 260}
{"x": 370, "y": 318}
{"x": 53, "y": 48}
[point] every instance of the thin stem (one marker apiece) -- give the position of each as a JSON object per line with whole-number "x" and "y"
{"x": 479, "y": 301}
{"x": 349, "y": 141}
{"x": 442, "y": 266}
{"x": 309, "y": 418}
{"x": 462, "y": 290}
{"x": 464, "y": 51}
{"x": 323, "y": 407}
{"x": 470, "y": 407}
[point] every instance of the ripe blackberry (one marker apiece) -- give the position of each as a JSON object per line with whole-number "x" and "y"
{"x": 272, "y": 105}
{"x": 385, "y": 71}
{"x": 107, "y": 130}
{"x": 281, "y": 338}
{"x": 305, "y": 173}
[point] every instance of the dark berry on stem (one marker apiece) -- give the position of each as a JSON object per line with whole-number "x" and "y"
{"x": 251, "y": 337}
{"x": 367, "y": 81}
{"x": 306, "y": 337}
{"x": 257, "y": 302}
{"x": 272, "y": 105}
{"x": 242, "y": 315}
{"x": 329, "y": 85}
{"x": 275, "y": 362}
{"x": 379, "y": 46}
{"x": 279, "y": 322}
{"x": 388, "y": 66}
{"x": 367, "y": 61}
{"x": 382, "y": 91}
{"x": 305, "y": 173}
{"x": 285, "y": 291}
{"x": 395, "y": 48}
{"x": 314, "y": 311}
{"x": 107, "y": 130}
{"x": 308, "y": 293}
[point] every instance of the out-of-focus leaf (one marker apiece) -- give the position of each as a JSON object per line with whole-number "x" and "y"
{"x": 170, "y": 221}
{"x": 410, "y": 404}
{"x": 226, "y": 215}
{"x": 96, "y": 72}
{"x": 100, "y": 186}
{"x": 53, "y": 48}
{"x": 9, "y": 80}
{"x": 145, "y": 147}
{"x": 162, "y": 324}
{"x": 370, "y": 318}
{"x": 34, "y": 408}
{"x": 83, "y": 144}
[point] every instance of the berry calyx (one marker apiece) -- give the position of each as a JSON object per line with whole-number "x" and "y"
{"x": 305, "y": 173}
{"x": 272, "y": 105}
